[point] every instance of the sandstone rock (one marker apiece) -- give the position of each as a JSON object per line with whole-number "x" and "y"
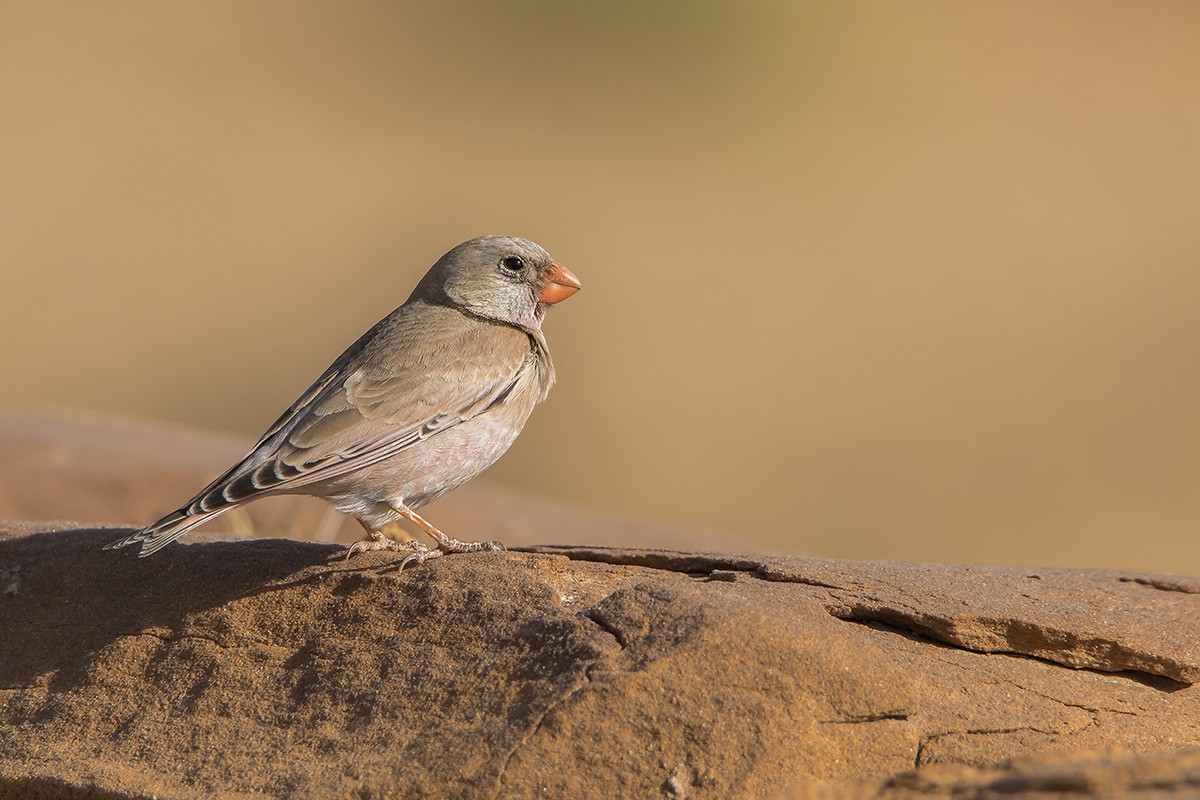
{"x": 273, "y": 667}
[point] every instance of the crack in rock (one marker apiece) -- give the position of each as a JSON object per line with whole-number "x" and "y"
{"x": 665, "y": 560}
{"x": 894, "y": 621}
{"x": 973, "y": 633}
{"x": 592, "y": 614}
{"x": 1093, "y": 710}
{"x": 930, "y": 738}
{"x": 861, "y": 718}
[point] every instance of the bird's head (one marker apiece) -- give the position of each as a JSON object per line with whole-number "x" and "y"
{"x": 498, "y": 277}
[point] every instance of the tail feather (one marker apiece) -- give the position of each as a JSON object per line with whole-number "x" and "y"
{"x": 158, "y": 535}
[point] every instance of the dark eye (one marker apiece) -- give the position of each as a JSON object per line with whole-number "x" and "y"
{"x": 512, "y": 263}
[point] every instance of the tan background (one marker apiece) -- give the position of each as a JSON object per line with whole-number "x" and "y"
{"x": 912, "y": 281}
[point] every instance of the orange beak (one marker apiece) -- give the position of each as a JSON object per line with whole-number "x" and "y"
{"x": 561, "y": 283}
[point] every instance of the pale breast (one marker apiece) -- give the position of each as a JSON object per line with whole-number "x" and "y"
{"x": 424, "y": 471}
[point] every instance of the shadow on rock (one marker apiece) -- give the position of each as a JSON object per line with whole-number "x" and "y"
{"x": 67, "y": 598}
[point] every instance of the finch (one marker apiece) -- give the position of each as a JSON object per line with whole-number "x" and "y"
{"x": 423, "y": 402}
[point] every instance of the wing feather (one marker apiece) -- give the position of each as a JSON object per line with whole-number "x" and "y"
{"x": 352, "y": 419}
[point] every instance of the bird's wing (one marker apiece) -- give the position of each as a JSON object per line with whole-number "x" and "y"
{"x": 437, "y": 373}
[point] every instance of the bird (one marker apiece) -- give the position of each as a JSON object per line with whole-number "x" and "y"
{"x": 428, "y": 398}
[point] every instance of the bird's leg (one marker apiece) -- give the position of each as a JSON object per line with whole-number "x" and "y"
{"x": 377, "y": 541}
{"x": 445, "y": 543}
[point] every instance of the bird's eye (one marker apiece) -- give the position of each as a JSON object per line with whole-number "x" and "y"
{"x": 512, "y": 263}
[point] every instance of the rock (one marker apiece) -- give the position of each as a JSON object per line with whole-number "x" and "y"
{"x": 84, "y": 465}
{"x": 274, "y": 667}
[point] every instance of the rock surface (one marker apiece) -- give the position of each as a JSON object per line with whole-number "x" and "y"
{"x": 275, "y": 668}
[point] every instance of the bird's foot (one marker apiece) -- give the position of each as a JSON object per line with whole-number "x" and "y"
{"x": 418, "y": 553}
{"x": 377, "y": 541}
{"x": 446, "y": 544}
{"x": 449, "y": 545}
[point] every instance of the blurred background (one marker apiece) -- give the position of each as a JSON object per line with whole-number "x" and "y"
{"x": 873, "y": 280}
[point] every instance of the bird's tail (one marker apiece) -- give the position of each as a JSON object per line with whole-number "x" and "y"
{"x": 158, "y": 535}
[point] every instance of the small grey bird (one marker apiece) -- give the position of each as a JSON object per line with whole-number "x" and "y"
{"x": 423, "y": 402}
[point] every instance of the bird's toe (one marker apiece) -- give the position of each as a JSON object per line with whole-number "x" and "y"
{"x": 418, "y": 556}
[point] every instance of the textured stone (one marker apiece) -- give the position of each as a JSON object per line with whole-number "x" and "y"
{"x": 275, "y": 667}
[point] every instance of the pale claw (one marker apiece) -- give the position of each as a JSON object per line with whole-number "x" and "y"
{"x": 418, "y": 557}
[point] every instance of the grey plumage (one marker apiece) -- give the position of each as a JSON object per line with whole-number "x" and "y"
{"x": 424, "y": 401}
